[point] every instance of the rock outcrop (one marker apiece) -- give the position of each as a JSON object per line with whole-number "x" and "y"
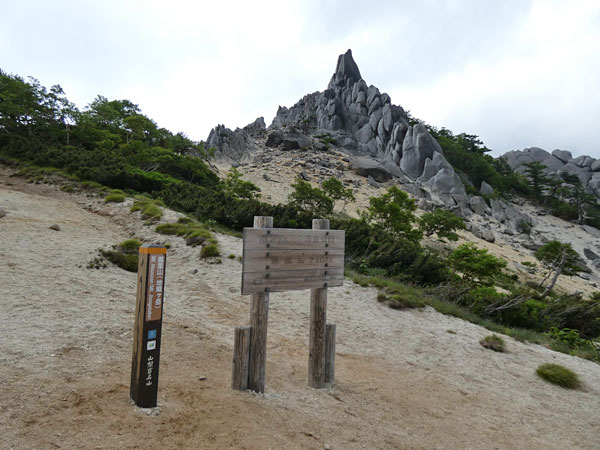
{"x": 364, "y": 122}
{"x": 236, "y": 146}
{"x": 557, "y": 163}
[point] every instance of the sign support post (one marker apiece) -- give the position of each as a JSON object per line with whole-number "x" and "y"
{"x": 148, "y": 325}
{"x": 259, "y": 316}
{"x": 318, "y": 320}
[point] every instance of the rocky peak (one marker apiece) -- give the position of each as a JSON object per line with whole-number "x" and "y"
{"x": 346, "y": 72}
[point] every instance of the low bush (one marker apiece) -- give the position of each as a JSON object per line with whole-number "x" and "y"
{"x": 559, "y": 375}
{"x": 114, "y": 198}
{"x": 209, "y": 251}
{"x": 493, "y": 342}
{"x": 189, "y": 230}
{"x": 124, "y": 255}
{"x": 150, "y": 208}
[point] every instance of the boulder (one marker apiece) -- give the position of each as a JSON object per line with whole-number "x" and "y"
{"x": 564, "y": 155}
{"x": 583, "y": 161}
{"x": 595, "y": 167}
{"x": 369, "y": 167}
{"x": 537, "y": 154}
{"x": 294, "y": 141}
{"x": 483, "y": 233}
{"x": 54, "y": 227}
{"x": 446, "y": 181}
{"x": 486, "y": 188}
{"x": 479, "y": 206}
{"x": 589, "y": 254}
{"x": 372, "y": 182}
{"x": 591, "y": 230}
{"x": 553, "y": 164}
{"x": 498, "y": 209}
{"x": 193, "y": 241}
{"x": 2, "y": 213}
{"x": 583, "y": 175}
{"x": 433, "y": 166}
{"x": 275, "y": 138}
{"x": 416, "y": 191}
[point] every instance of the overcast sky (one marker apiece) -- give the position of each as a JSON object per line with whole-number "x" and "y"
{"x": 517, "y": 73}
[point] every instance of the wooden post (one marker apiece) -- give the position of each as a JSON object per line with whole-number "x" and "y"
{"x": 318, "y": 320}
{"x": 259, "y": 315}
{"x": 330, "y": 354}
{"x": 148, "y": 325}
{"x": 241, "y": 349}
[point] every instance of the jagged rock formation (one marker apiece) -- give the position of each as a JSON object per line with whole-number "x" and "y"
{"x": 238, "y": 145}
{"x": 364, "y": 122}
{"x": 585, "y": 168}
{"x": 380, "y": 140}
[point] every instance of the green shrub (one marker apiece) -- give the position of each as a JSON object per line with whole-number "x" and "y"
{"x": 124, "y": 255}
{"x": 90, "y": 185}
{"x": 67, "y": 188}
{"x": 559, "y": 375}
{"x": 171, "y": 229}
{"x": 406, "y": 300}
{"x": 209, "y": 251}
{"x": 114, "y": 198}
{"x": 493, "y": 342}
{"x": 191, "y": 231}
{"x": 152, "y": 211}
{"x": 149, "y": 207}
{"x": 130, "y": 246}
{"x": 125, "y": 261}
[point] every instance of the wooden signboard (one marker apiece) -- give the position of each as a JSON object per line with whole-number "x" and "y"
{"x": 148, "y": 325}
{"x": 284, "y": 259}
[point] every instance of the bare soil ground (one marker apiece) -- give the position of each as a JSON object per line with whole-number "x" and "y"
{"x": 410, "y": 379}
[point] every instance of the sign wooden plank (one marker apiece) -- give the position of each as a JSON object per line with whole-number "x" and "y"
{"x": 261, "y": 260}
{"x": 283, "y": 259}
{"x": 277, "y": 281}
{"x": 289, "y": 238}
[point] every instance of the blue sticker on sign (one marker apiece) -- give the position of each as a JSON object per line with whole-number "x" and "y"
{"x": 151, "y": 334}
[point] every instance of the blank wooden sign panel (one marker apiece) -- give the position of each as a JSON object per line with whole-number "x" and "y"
{"x": 284, "y": 259}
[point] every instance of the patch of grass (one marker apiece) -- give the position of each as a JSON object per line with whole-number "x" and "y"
{"x": 67, "y": 188}
{"x": 186, "y": 230}
{"x": 231, "y": 256}
{"x": 124, "y": 255}
{"x": 210, "y": 251}
{"x": 90, "y": 185}
{"x": 130, "y": 246}
{"x": 114, "y": 198}
{"x": 150, "y": 208}
{"x": 559, "y": 375}
{"x": 493, "y": 342}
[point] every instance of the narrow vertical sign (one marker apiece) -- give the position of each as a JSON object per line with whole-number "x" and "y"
{"x": 148, "y": 325}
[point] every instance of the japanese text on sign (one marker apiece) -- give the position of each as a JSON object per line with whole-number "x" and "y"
{"x": 154, "y": 300}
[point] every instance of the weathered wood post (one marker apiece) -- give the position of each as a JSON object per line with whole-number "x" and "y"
{"x": 259, "y": 316}
{"x": 241, "y": 353}
{"x": 148, "y": 325}
{"x": 318, "y": 321}
{"x": 330, "y": 353}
